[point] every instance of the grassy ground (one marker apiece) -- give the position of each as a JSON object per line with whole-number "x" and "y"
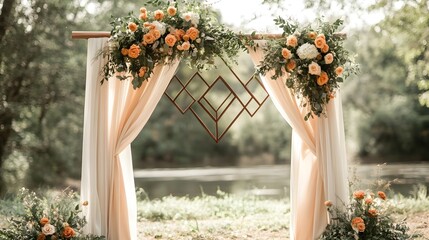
{"x": 236, "y": 217}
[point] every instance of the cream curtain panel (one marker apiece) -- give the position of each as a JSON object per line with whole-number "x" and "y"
{"x": 114, "y": 115}
{"x": 318, "y": 161}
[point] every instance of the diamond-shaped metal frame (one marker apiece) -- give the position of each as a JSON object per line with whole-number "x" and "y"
{"x": 215, "y": 114}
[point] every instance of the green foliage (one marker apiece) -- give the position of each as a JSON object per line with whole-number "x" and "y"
{"x": 367, "y": 217}
{"x": 297, "y": 58}
{"x": 190, "y": 32}
{"x": 35, "y": 214}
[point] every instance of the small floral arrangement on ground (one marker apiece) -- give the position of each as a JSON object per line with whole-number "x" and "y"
{"x": 315, "y": 60}
{"x": 46, "y": 219}
{"x": 367, "y": 217}
{"x": 187, "y": 30}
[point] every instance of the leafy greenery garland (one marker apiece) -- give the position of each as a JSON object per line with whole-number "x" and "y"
{"x": 189, "y": 30}
{"x": 314, "y": 59}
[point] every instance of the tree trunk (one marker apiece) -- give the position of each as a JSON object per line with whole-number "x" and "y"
{"x": 6, "y": 117}
{"x": 4, "y": 16}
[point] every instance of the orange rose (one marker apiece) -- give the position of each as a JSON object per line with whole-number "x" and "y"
{"x": 292, "y": 41}
{"x": 319, "y": 42}
{"x": 143, "y": 16}
{"x": 134, "y": 51}
{"x": 325, "y": 48}
{"x": 143, "y": 10}
{"x": 359, "y": 194}
{"x": 372, "y": 212}
{"x": 339, "y": 70}
{"x": 170, "y": 40}
{"x": 368, "y": 201}
{"x": 322, "y": 79}
{"x": 312, "y": 35}
{"x": 328, "y": 203}
{"x": 158, "y": 15}
{"x": 179, "y": 34}
{"x": 171, "y": 10}
{"x": 329, "y": 58}
{"x": 68, "y": 232}
{"x": 186, "y": 37}
{"x": 124, "y": 51}
{"x": 193, "y": 33}
{"x": 149, "y": 38}
{"x": 286, "y": 53}
{"x": 142, "y": 72}
{"x": 357, "y": 220}
{"x": 156, "y": 33}
{"x": 291, "y": 65}
{"x": 41, "y": 236}
{"x": 382, "y": 195}
{"x": 44, "y": 220}
{"x": 132, "y": 26}
{"x": 361, "y": 227}
{"x": 186, "y": 45}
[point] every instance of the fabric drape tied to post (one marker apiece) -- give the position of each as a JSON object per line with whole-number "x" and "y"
{"x": 115, "y": 113}
{"x": 318, "y": 161}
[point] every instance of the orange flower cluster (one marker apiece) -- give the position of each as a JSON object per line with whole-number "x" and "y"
{"x": 49, "y": 230}
{"x": 358, "y": 224}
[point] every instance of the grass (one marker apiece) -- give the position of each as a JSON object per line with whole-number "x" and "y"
{"x": 227, "y": 216}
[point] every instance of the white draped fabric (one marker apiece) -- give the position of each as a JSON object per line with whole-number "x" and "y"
{"x": 115, "y": 113}
{"x": 318, "y": 161}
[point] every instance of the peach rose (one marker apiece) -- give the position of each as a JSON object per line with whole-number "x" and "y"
{"x": 382, "y": 195}
{"x": 359, "y": 194}
{"x": 331, "y": 95}
{"x": 171, "y": 11}
{"x": 286, "y": 53}
{"x": 291, "y": 65}
{"x": 143, "y": 10}
{"x": 44, "y": 220}
{"x": 143, "y": 16}
{"x": 142, "y": 71}
{"x": 156, "y": 33}
{"x": 368, "y": 201}
{"x": 372, "y": 212}
{"x": 187, "y": 17}
{"x": 321, "y": 36}
{"x": 193, "y": 33}
{"x": 124, "y": 51}
{"x": 158, "y": 15}
{"x": 328, "y": 203}
{"x": 134, "y": 51}
{"x": 170, "y": 40}
{"x": 68, "y": 232}
{"x": 179, "y": 47}
{"x": 322, "y": 79}
{"x": 339, "y": 70}
{"x": 48, "y": 229}
{"x": 319, "y": 42}
{"x": 361, "y": 227}
{"x": 186, "y": 37}
{"x": 292, "y": 41}
{"x": 179, "y": 33}
{"x": 132, "y": 26}
{"x": 325, "y": 48}
{"x": 314, "y": 69}
{"x": 148, "y": 38}
{"x": 312, "y": 35}
{"x": 186, "y": 45}
{"x": 329, "y": 58}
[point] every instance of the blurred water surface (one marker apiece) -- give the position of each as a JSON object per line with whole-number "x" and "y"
{"x": 269, "y": 181}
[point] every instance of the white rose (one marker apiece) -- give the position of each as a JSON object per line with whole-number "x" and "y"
{"x": 159, "y": 26}
{"x": 314, "y": 68}
{"x": 307, "y": 51}
{"x": 48, "y": 229}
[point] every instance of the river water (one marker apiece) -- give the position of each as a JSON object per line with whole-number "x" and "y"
{"x": 268, "y": 181}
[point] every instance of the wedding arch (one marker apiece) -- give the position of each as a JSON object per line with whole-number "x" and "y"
{"x": 116, "y": 111}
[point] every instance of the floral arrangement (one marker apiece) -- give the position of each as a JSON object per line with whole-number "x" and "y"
{"x": 366, "y": 218}
{"x": 314, "y": 59}
{"x": 46, "y": 219}
{"x": 187, "y": 30}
